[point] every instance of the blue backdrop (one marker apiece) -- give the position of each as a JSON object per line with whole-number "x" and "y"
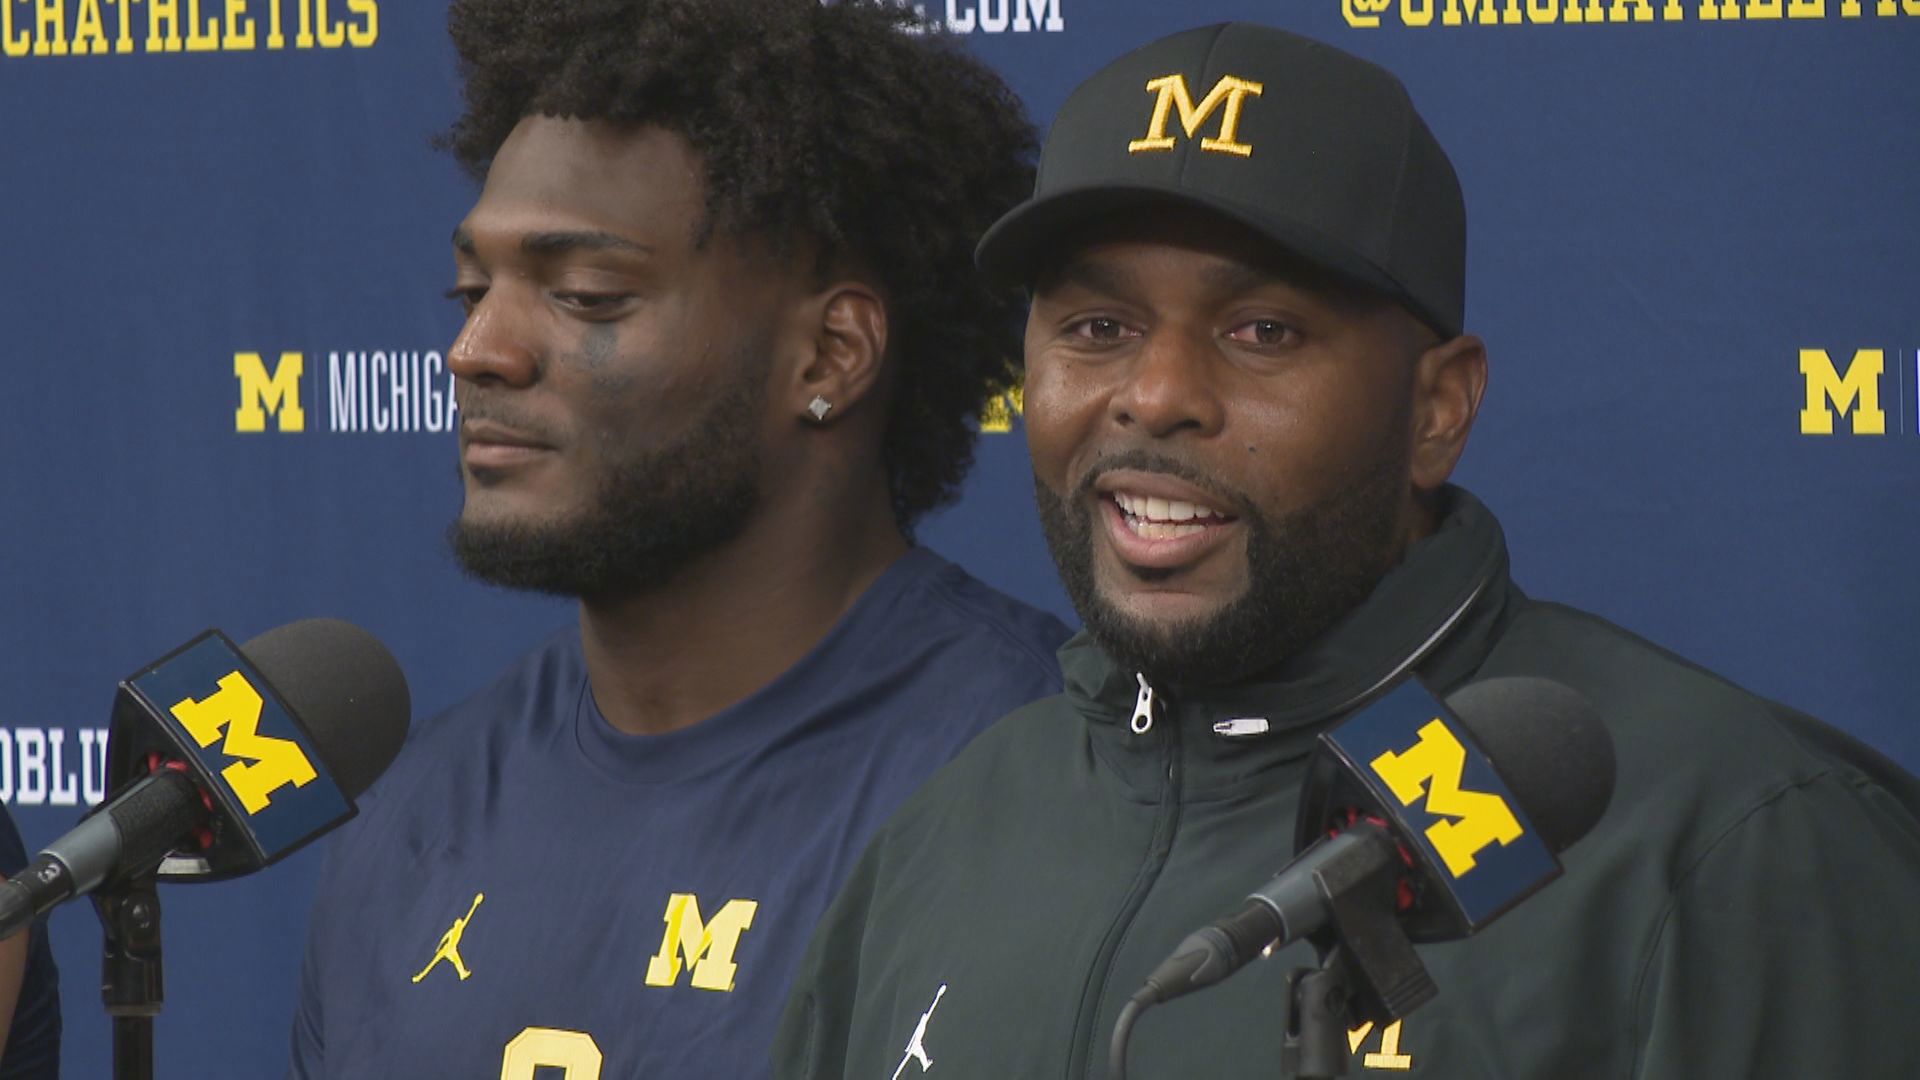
{"x": 1694, "y": 243}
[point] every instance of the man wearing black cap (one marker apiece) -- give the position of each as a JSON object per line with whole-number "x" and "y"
{"x": 1247, "y": 388}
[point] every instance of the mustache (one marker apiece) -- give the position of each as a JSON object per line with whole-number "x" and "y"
{"x": 474, "y": 407}
{"x": 1137, "y": 459}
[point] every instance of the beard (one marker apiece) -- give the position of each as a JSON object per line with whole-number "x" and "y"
{"x": 653, "y": 513}
{"x": 1305, "y": 570}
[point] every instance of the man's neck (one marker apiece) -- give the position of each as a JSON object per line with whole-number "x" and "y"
{"x": 733, "y": 621}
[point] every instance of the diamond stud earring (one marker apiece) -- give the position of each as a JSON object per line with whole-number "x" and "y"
{"x": 819, "y": 407}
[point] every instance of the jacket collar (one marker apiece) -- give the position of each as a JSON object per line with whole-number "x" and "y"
{"x": 1437, "y": 614}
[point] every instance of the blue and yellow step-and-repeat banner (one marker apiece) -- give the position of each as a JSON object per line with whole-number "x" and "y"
{"x": 1694, "y": 254}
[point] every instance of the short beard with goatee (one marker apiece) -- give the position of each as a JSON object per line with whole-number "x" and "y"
{"x": 653, "y": 513}
{"x": 1304, "y": 572}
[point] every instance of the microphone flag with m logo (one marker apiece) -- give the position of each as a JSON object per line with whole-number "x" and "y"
{"x": 1424, "y": 772}
{"x": 207, "y": 707}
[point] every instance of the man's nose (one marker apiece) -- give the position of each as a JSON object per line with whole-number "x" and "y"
{"x": 1169, "y": 387}
{"x": 494, "y": 345}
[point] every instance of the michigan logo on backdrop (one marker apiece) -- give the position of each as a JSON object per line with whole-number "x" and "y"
{"x": 998, "y": 16}
{"x": 1853, "y": 398}
{"x": 364, "y": 391}
{"x": 264, "y": 393}
{"x": 38, "y": 767}
{"x": 123, "y": 27}
{"x": 403, "y": 391}
{"x": 1366, "y": 14}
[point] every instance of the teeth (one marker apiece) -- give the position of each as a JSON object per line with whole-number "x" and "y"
{"x": 1148, "y": 508}
{"x": 1155, "y": 530}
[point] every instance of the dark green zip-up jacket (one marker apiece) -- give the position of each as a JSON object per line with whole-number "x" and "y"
{"x": 1749, "y": 905}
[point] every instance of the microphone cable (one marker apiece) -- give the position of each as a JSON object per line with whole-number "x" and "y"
{"x": 1123, "y": 1031}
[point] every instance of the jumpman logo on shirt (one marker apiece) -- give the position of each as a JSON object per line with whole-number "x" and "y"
{"x": 449, "y": 949}
{"x": 916, "y": 1046}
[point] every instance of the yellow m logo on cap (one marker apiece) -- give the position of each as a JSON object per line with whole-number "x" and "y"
{"x": 1172, "y": 90}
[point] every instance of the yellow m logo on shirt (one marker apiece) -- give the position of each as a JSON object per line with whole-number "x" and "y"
{"x": 1471, "y": 819}
{"x": 267, "y": 764}
{"x": 1229, "y": 92}
{"x": 707, "y": 947}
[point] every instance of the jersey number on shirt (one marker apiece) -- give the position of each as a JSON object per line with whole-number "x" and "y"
{"x": 574, "y": 1053}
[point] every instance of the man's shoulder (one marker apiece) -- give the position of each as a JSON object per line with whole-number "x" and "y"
{"x": 954, "y": 604}
{"x": 1686, "y": 738}
{"x": 938, "y": 645}
{"x": 1642, "y": 686}
{"x": 453, "y": 761}
{"x": 523, "y": 700}
{"x": 531, "y": 684}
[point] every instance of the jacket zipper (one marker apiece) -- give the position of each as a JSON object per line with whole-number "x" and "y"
{"x": 1142, "y": 721}
{"x": 1088, "y": 1041}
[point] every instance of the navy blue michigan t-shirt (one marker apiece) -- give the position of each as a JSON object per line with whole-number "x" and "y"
{"x": 529, "y": 892}
{"x": 32, "y": 1049}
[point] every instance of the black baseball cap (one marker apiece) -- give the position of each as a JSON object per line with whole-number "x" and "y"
{"x": 1319, "y": 150}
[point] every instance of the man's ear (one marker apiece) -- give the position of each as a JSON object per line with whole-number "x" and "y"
{"x": 1448, "y": 381}
{"x": 847, "y": 322}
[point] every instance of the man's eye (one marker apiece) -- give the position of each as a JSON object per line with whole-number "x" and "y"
{"x": 468, "y": 296}
{"x": 1264, "y": 332}
{"x": 589, "y": 302}
{"x": 1101, "y": 329}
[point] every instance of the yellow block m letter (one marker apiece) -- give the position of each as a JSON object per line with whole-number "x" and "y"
{"x": 260, "y": 395}
{"x": 1173, "y": 93}
{"x": 270, "y": 764}
{"x": 1479, "y": 818}
{"x": 997, "y": 416}
{"x": 708, "y": 947}
{"x": 1858, "y": 391}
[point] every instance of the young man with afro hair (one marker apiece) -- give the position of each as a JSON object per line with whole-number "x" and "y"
{"x": 723, "y": 348}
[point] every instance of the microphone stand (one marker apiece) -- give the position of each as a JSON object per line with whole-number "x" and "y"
{"x": 130, "y": 979}
{"x": 1368, "y": 970}
{"x": 1317, "y": 999}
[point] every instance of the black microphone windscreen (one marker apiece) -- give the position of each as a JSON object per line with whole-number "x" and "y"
{"x": 345, "y": 687}
{"x": 1547, "y": 742}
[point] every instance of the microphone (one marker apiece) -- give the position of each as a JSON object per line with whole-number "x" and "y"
{"x": 230, "y": 759}
{"x": 1435, "y": 819}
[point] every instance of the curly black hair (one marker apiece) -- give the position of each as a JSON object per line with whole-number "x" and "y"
{"x": 853, "y": 130}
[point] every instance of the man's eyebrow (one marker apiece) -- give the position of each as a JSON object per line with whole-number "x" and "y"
{"x": 556, "y": 243}
{"x": 1237, "y": 279}
{"x": 1091, "y": 276}
{"x": 1233, "y": 278}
